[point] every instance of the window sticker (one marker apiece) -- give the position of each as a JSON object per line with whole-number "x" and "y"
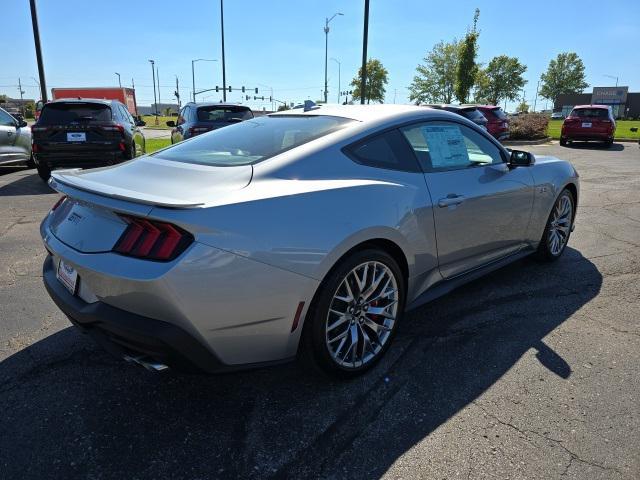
{"x": 446, "y": 146}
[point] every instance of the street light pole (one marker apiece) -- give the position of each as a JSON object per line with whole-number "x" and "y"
{"x": 326, "y": 50}
{"x": 338, "y": 78}
{"x": 155, "y": 103}
{"x": 365, "y": 37}
{"x": 612, "y": 76}
{"x": 119, "y": 82}
{"x": 193, "y": 75}
{"x": 536, "y": 100}
{"x": 36, "y": 39}
{"x": 224, "y": 75}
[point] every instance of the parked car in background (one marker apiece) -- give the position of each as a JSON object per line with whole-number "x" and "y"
{"x": 84, "y": 133}
{"x": 589, "y": 123}
{"x": 497, "y": 121}
{"x": 197, "y": 118}
{"x": 557, "y": 116}
{"x": 467, "y": 111}
{"x": 306, "y": 232}
{"x": 15, "y": 140}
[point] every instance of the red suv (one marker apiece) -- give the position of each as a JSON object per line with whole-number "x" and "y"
{"x": 589, "y": 122}
{"x": 497, "y": 121}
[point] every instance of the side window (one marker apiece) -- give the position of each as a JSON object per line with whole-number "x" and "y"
{"x": 124, "y": 113}
{"x": 6, "y": 120}
{"x": 386, "y": 150}
{"x": 443, "y": 146}
{"x": 181, "y": 119}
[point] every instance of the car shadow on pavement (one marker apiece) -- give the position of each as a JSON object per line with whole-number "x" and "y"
{"x": 27, "y": 183}
{"x": 71, "y": 411}
{"x": 616, "y": 147}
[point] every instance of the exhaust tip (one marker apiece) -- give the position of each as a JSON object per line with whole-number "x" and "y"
{"x": 146, "y": 362}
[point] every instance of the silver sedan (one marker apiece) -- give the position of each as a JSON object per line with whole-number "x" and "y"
{"x": 301, "y": 234}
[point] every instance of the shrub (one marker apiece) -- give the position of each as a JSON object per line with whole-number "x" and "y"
{"x": 530, "y": 126}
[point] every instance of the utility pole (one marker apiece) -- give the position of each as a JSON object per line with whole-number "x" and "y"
{"x": 21, "y": 99}
{"x": 36, "y": 39}
{"x": 365, "y": 37}
{"x": 133, "y": 85}
{"x": 155, "y": 103}
{"x": 326, "y": 50}
{"x": 536, "y": 99}
{"x": 338, "y": 78}
{"x": 395, "y": 92}
{"x": 224, "y": 75}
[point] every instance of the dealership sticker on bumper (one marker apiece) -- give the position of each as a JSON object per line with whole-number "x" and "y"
{"x": 76, "y": 137}
{"x": 67, "y": 276}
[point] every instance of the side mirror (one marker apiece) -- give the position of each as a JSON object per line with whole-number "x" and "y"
{"x": 171, "y": 124}
{"x": 22, "y": 124}
{"x": 519, "y": 158}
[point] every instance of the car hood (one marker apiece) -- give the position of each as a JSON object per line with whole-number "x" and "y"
{"x": 154, "y": 181}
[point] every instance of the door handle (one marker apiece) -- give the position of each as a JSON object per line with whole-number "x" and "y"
{"x": 451, "y": 200}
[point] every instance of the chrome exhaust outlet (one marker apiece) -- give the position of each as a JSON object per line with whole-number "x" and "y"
{"x": 150, "y": 364}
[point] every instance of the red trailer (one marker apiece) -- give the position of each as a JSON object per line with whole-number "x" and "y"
{"x": 126, "y": 95}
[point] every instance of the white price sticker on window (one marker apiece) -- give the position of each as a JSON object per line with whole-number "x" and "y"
{"x": 446, "y": 146}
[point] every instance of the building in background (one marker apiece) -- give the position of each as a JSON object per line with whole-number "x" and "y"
{"x": 623, "y": 104}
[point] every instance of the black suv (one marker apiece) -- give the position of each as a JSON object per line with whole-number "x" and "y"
{"x": 197, "y": 118}
{"x": 468, "y": 111}
{"x": 84, "y": 133}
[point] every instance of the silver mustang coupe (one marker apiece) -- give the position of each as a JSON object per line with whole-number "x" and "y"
{"x": 303, "y": 233}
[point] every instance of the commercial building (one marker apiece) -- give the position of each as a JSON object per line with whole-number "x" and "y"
{"x": 623, "y": 104}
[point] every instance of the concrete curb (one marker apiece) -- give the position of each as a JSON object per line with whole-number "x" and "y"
{"x": 526, "y": 142}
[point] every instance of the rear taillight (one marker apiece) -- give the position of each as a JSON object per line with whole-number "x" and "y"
{"x": 59, "y": 202}
{"x": 114, "y": 128}
{"x": 198, "y": 130}
{"x": 152, "y": 240}
{"x": 35, "y": 147}
{"x": 36, "y": 128}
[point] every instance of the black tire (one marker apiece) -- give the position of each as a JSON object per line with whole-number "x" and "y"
{"x": 608, "y": 143}
{"x": 563, "y": 142}
{"x": 31, "y": 163}
{"x": 44, "y": 171}
{"x": 314, "y": 350}
{"x": 131, "y": 153}
{"x": 545, "y": 252}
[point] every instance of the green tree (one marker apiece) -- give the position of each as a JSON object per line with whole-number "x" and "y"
{"x": 502, "y": 79}
{"x": 377, "y": 78}
{"x": 435, "y": 79}
{"x": 467, "y": 68}
{"x": 282, "y": 108}
{"x": 523, "y": 107}
{"x": 565, "y": 74}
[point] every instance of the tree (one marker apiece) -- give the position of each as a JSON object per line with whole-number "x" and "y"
{"x": 282, "y": 108}
{"x": 435, "y": 79}
{"x": 502, "y": 79}
{"x": 565, "y": 74}
{"x": 467, "y": 68}
{"x": 376, "y": 81}
{"x": 523, "y": 107}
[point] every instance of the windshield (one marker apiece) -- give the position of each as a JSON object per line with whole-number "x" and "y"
{"x": 475, "y": 115}
{"x": 590, "y": 112}
{"x": 64, "y": 113}
{"x": 499, "y": 113}
{"x": 253, "y": 140}
{"x": 223, "y": 114}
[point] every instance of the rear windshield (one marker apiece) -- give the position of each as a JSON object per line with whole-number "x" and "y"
{"x": 499, "y": 113}
{"x": 590, "y": 112}
{"x": 253, "y": 140}
{"x": 64, "y": 113}
{"x": 223, "y": 114}
{"x": 474, "y": 115}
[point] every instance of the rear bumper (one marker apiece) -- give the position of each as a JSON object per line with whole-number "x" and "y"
{"x": 582, "y": 135}
{"x": 125, "y": 334}
{"x": 79, "y": 159}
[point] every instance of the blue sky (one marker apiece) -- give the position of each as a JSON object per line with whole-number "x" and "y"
{"x": 280, "y": 44}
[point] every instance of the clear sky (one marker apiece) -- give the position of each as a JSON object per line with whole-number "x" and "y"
{"x": 280, "y": 43}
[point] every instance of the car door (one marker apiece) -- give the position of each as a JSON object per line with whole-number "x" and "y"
{"x": 11, "y": 150}
{"x": 482, "y": 207}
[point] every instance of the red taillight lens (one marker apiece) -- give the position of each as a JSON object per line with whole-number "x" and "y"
{"x": 36, "y": 128}
{"x": 152, "y": 240}
{"x": 59, "y": 202}
{"x": 35, "y": 148}
{"x": 198, "y": 130}
{"x": 114, "y": 128}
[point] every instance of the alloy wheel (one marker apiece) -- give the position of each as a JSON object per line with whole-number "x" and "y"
{"x": 560, "y": 225}
{"x": 362, "y": 314}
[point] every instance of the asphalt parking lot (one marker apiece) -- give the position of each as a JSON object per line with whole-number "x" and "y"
{"x": 531, "y": 372}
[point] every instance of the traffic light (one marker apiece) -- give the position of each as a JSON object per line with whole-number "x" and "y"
{"x": 217, "y": 89}
{"x": 247, "y": 97}
{"x": 270, "y": 99}
{"x": 229, "y": 88}
{"x": 242, "y": 89}
{"x": 256, "y": 91}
